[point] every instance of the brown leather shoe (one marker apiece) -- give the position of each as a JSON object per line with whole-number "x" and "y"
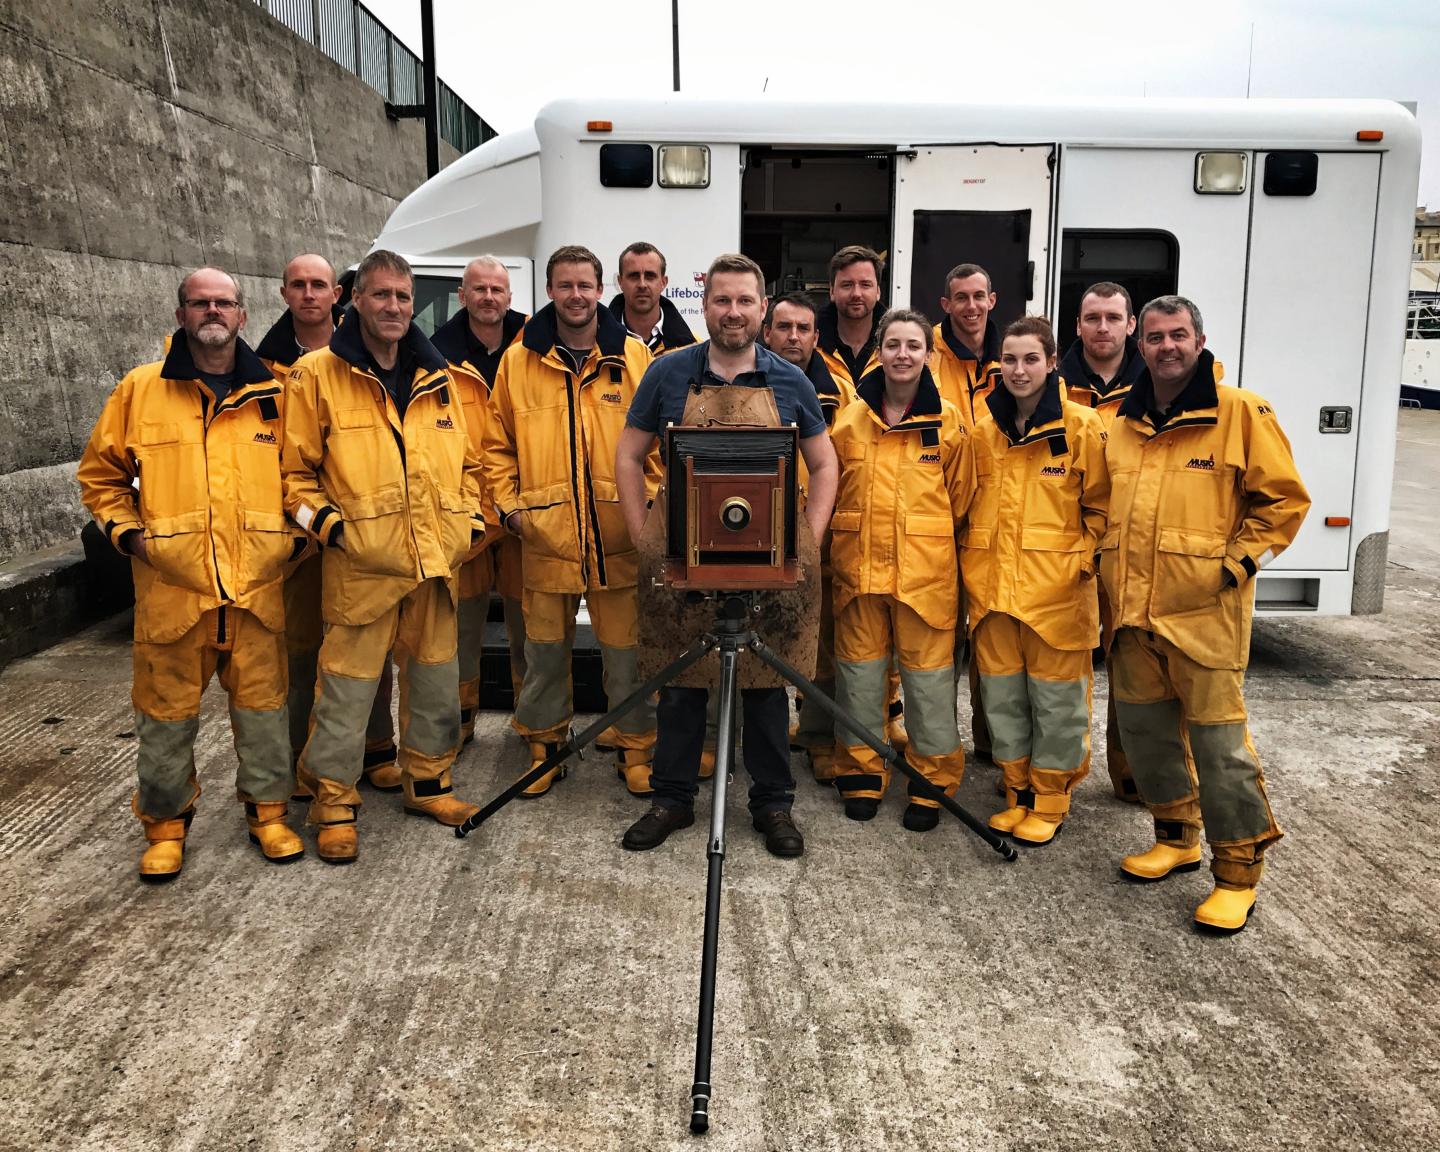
{"x": 782, "y": 837}
{"x": 652, "y": 829}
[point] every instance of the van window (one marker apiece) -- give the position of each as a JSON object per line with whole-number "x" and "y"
{"x": 1145, "y": 262}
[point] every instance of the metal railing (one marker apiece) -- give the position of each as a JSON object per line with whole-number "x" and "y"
{"x": 349, "y": 33}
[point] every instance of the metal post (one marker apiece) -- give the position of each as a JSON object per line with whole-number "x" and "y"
{"x": 314, "y": 21}
{"x": 432, "y": 115}
{"x": 675, "y": 39}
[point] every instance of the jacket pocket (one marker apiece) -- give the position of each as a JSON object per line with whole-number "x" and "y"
{"x": 376, "y": 538}
{"x": 178, "y": 548}
{"x": 845, "y": 549}
{"x": 550, "y": 512}
{"x": 455, "y": 527}
{"x": 1051, "y": 565}
{"x": 928, "y": 558}
{"x": 1188, "y": 571}
{"x": 614, "y": 535}
{"x": 267, "y": 545}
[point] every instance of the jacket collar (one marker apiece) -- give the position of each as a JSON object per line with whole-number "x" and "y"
{"x": 871, "y": 389}
{"x": 346, "y": 343}
{"x": 1078, "y": 373}
{"x": 818, "y": 373}
{"x": 453, "y": 339}
{"x": 180, "y": 365}
{"x": 990, "y": 351}
{"x": 1004, "y": 409}
{"x": 541, "y": 332}
{"x": 1198, "y": 395}
{"x": 674, "y": 332}
{"x": 279, "y": 344}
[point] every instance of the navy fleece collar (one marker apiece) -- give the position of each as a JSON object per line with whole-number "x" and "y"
{"x": 346, "y": 343}
{"x": 990, "y": 351}
{"x": 180, "y": 365}
{"x": 541, "y": 332}
{"x": 1004, "y": 409}
{"x": 674, "y": 332}
{"x": 1199, "y": 394}
{"x": 280, "y": 344}
{"x": 452, "y": 339}
{"x": 871, "y": 389}
{"x": 1077, "y": 371}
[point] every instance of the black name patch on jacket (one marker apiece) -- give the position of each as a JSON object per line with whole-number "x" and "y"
{"x": 1056, "y": 470}
{"x": 1202, "y": 464}
{"x": 265, "y": 438}
{"x": 612, "y": 397}
{"x": 444, "y": 422}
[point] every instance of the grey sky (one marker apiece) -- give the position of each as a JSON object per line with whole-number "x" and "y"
{"x": 508, "y": 60}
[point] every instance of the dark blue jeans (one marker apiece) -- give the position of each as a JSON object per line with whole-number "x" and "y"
{"x": 680, "y": 738}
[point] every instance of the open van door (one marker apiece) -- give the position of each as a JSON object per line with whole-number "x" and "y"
{"x": 986, "y": 204}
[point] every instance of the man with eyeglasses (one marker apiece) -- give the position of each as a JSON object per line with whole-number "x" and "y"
{"x": 378, "y": 467}
{"x": 182, "y": 472}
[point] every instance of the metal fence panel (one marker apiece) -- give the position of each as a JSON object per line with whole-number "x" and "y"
{"x": 374, "y": 52}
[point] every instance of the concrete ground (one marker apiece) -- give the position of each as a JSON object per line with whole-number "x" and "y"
{"x": 535, "y": 986}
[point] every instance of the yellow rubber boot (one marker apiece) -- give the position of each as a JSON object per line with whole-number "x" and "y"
{"x": 632, "y": 765}
{"x": 1018, "y": 801}
{"x": 1160, "y": 861}
{"x": 1225, "y": 911}
{"x": 435, "y": 797}
{"x": 336, "y": 841}
{"x": 1047, "y": 814}
{"x": 380, "y": 766}
{"x": 277, "y": 842}
{"x": 822, "y": 764}
{"x": 162, "y": 860}
{"x": 707, "y": 763}
{"x": 538, "y": 754}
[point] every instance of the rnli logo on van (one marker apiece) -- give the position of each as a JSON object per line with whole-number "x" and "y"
{"x": 1056, "y": 470}
{"x": 1202, "y": 465}
{"x": 265, "y": 438}
{"x": 444, "y": 422}
{"x": 611, "y": 397}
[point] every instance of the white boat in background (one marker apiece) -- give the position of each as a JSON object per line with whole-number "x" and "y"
{"x": 1420, "y": 373}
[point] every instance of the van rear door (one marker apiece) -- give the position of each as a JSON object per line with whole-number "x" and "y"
{"x": 986, "y": 204}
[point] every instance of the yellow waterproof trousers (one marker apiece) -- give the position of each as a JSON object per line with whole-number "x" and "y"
{"x": 870, "y": 631}
{"x": 478, "y": 578}
{"x": 1188, "y": 742}
{"x": 169, "y": 681}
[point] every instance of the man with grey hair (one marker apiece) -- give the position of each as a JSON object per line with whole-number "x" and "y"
{"x": 209, "y": 544}
{"x": 379, "y": 469}
{"x": 1205, "y": 493}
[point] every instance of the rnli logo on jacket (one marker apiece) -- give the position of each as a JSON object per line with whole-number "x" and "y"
{"x": 444, "y": 422}
{"x": 930, "y": 458}
{"x": 612, "y": 397}
{"x": 1206, "y": 464}
{"x": 1056, "y": 470}
{"x": 265, "y": 438}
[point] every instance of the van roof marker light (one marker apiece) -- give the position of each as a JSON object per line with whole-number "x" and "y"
{"x": 599, "y": 126}
{"x": 1370, "y": 135}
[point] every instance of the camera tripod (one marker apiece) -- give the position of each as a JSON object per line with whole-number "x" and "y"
{"x": 732, "y": 636}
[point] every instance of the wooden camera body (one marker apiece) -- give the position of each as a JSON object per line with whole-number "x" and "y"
{"x": 731, "y": 502}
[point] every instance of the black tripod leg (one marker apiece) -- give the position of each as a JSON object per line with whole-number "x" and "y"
{"x": 923, "y": 786}
{"x": 724, "y": 760}
{"x": 575, "y": 743}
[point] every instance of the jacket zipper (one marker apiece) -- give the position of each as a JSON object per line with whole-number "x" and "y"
{"x": 575, "y": 479}
{"x": 205, "y": 421}
{"x": 590, "y": 497}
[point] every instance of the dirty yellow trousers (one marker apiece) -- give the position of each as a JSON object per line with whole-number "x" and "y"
{"x": 870, "y": 631}
{"x": 169, "y": 681}
{"x": 1187, "y": 739}
{"x": 421, "y": 630}
{"x": 1037, "y": 706}
{"x": 478, "y": 577}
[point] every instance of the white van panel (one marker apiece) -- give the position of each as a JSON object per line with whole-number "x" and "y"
{"x": 1307, "y": 304}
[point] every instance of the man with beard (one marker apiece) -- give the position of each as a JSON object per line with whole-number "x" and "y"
{"x": 379, "y": 469}
{"x": 556, "y": 412}
{"x": 1099, "y": 370}
{"x": 641, "y": 304}
{"x": 742, "y": 376}
{"x": 472, "y": 341}
{"x": 846, "y": 325}
{"x": 209, "y": 542}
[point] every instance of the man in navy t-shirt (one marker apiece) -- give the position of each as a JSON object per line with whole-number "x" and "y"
{"x": 734, "y": 309}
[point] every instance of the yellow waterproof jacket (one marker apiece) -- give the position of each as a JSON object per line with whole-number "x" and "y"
{"x": 846, "y": 370}
{"x": 201, "y": 480}
{"x": 1085, "y": 387}
{"x": 964, "y": 379}
{"x": 904, "y": 492}
{"x": 674, "y": 331}
{"x": 1201, "y": 499}
{"x": 406, "y": 490}
{"x": 473, "y": 381}
{"x": 550, "y": 448}
{"x": 1037, "y": 518}
{"x": 279, "y": 349}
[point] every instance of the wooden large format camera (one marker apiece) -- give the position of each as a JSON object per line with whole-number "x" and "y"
{"x": 730, "y": 508}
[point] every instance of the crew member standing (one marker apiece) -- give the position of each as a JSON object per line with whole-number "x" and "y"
{"x": 641, "y": 304}
{"x": 379, "y": 468}
{"x": 1205, "y": 493}
{"x": 731, "y": 378}
{"x": 906, "y": 481}
{"x": 1029, "y": 567}
{"x": 1099, "y": 370}
{"x": 556, "y": 413}
{"x": 472, "y": 342}
{"x": 207, "y": 534}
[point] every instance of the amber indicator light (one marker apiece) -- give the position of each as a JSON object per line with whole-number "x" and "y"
{"x": 1370, "y": 135}
{"x": 599, "y": 126}
{"x": 1337, "y": 521}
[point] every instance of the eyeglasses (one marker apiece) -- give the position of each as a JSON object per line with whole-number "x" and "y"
{"x": 221, "y": 306}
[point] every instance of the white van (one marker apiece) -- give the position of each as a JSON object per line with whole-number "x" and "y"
{"x": 1287, "y": 221}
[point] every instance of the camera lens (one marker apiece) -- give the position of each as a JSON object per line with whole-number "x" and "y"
{"x": 735, "y": 514}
